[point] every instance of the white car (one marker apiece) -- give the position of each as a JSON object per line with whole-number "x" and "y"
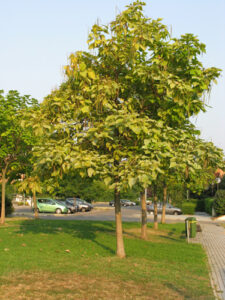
{"x": 123, "y": 202}
{"x": 170, "y": 209}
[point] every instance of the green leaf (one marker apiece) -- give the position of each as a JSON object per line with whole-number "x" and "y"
{"x": 82, "y": 66}
{"x": 131, "y": 181}
{"x": 90, "y": 172}
{"x": 173, "y": 164}
{"x": 85, "y": 109}
{"x": 107, "y": 180}
{"x": 135, "y": 129}
{"x": 83, "y": 74}
{"x": 91, "y": 74}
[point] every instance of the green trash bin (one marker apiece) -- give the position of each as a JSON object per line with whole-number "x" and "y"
{"x": 191, "y": 224}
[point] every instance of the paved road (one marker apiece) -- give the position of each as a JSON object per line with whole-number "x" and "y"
{"x": 103, "y": 212}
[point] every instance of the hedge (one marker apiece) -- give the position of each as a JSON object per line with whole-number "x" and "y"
{"x": 199, "y": 203}
{"x": 209, "y": 205}
{"x": 219, "y": 202}
{"x": 188, "y": 208}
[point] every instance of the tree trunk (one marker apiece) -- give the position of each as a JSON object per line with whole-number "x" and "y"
{"x": 163, "y": 220}
{"x": 212, "y": 192}
{"x": 143, "y": 216}
{"x": 36, "y": 214}
{"x": 119, "y": 230}
{"x": 188, "y": 193}
{"x": 187, "y": 180}
{"x": 3, "y": 197}
{"x": 155, "y": 208}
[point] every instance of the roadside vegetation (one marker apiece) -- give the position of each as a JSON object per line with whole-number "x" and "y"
{"x": 75, "y": 259}
{"x": 120, "y": 117}
{"x": 119, "y": 126}
{"x": 123, "y": 115}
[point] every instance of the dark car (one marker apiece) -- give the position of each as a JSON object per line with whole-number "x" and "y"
{"x": 82, "y": 205}
{"x": 72, "y": 206}
{"x": 170, "y": 209}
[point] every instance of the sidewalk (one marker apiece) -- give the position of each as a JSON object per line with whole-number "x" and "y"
{"x": 212, "y": 238}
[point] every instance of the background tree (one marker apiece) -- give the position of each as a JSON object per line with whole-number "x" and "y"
{"x": 210, "y": 158}
{"x": 32, "y": 185}
{"x": 16, "y": 143}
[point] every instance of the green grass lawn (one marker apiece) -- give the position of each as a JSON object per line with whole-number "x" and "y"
{"x": 76, "y": 260}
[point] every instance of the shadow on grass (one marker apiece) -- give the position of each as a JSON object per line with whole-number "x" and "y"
{"x": 85, "y": 230}
{"x": 179, "y": 238}
{"x": 191, "y": 293}
{"x": 173, "y": 230}
{"x": 181, "y": 292}
{"x": 172, "y": 235}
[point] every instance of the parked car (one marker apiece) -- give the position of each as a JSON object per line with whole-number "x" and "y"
{"x": 170, "y": 209}
{"x": 82, "y": 205}
{"x": 148, "y": 201}
{"x": 123, "y": 202}
{"x": 72, "y": 206}
{"x": 50, "y": 205}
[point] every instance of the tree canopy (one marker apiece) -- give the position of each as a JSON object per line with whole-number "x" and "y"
{"x": 15, "y": 141}
{"x": 124, "y": 103}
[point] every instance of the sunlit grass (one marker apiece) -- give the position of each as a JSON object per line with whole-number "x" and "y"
{"x": 87, "y": 249}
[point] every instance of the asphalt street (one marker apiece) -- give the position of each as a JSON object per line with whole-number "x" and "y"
{"x": 104, "y": 212}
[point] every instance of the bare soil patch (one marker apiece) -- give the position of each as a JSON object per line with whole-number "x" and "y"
{"x": 152, "y": 235}
{"x": 51, "y": 286}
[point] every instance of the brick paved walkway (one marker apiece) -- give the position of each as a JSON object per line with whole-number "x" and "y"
{"x": 212, "y": 238}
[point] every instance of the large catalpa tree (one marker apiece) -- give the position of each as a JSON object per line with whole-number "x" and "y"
{"x": 134, "y": 81}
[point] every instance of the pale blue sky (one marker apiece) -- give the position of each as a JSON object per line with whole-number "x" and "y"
{"x": 37, "y": 36}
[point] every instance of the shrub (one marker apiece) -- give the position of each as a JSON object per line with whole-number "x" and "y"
{"x": 222, "y": 184}
{"x": 199, "y": 203}
{"x": 188, "y": 208}
{"x": 219, "y": 202}
{"x": 177, "y": 196}
{"x": 208, "y": 205}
